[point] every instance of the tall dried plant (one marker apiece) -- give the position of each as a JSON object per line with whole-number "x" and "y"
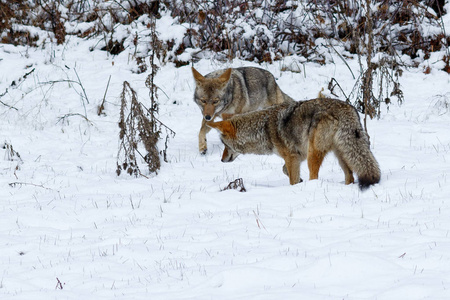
{"x": 140, "y": 126}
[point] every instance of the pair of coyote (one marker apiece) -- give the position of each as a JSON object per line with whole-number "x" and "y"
{"x": 259, "y": 118}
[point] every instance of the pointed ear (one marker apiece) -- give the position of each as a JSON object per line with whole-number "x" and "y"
{"x": 225, "y": 127}
{"x": 197, "y": 75}
{"x": 225, "y": 76}
{"x": 227, "y": 116}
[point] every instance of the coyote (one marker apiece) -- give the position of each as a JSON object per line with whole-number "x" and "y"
{"x": 303, "y": 130}
{"x": 234, "y": 91}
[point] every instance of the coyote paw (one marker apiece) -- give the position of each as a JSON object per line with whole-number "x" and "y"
{"x": 202, "y": 146}
{"x": 287, "y": 174}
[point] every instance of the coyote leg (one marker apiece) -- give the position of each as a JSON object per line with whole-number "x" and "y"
{"x": 347, "y": 171}
{"x": 202, "y": 146}
{"x": 315, "y": 159}
{"x": 292, "y": 168}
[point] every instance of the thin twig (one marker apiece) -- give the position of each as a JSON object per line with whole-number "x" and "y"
{"x": 72, "y": 81}
{"x": 340, "y": 56}
{"x": 336, "y": 83}
{"x": 84, "y": 92}
{"x": 102, "y": 106}
{"x": 82, "y": 87}
{"x": 59, "y": 285}
{"x": 7, "y": 105}
{"x": 13, "y": 184}
{"x": 74, "y": 114}
{"x": 15, "y": 85}
{"x": 161, "y": 123}
{"x": 258, "y": 221}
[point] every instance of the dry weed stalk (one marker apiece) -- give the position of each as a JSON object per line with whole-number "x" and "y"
{"x": 11, "y": 154}
{"x": 141, "y": 125}
{"x": 135, "y": 128}
{"x": 15, "y": 84}
{"x": 384, "y": 73}
{"x": 101, "y": 107}
{"x": 238, "y": 184}
{"x": 378, "y": 81}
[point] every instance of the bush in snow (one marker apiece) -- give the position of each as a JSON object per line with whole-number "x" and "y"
{"x": 257, "y": 30}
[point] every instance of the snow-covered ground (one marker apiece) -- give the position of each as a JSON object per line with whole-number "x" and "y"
{"x": 71, "y": 229}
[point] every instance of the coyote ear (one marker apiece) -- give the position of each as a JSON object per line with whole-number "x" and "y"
{"x": 225, "y": 76}
{"x": 225, "y": 127}
{"x": 227, "y": 116}
{"x": 197, "y": 75}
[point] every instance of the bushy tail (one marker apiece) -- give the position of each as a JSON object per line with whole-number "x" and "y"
{"x": 353, "y": 147}
{"x": 369, "y": 176}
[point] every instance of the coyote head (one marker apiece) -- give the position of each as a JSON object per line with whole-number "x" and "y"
{"x": 228, "y": 131}
{"x": 211, "y": 93}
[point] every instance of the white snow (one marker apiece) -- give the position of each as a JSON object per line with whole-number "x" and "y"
{"x": 67, "y": 221}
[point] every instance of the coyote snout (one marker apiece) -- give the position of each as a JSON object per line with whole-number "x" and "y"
{"x": 209, "y": 112}
{"x": 228, "y": 155}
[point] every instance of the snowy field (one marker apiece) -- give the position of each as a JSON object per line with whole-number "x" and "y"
{"x": 71, "y": 229}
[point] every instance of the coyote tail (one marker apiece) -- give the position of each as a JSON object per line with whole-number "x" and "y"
{"x": 354, "y": 148}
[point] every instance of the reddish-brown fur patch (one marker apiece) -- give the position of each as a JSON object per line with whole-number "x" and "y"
{"x": 225, "y": 127}
{"x": 315, "y": 159}
{"x": 291, "y": 162}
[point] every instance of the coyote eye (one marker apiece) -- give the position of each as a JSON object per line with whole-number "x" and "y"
{"x": 203, "y": 101}
{"x": 215, "y": 101}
